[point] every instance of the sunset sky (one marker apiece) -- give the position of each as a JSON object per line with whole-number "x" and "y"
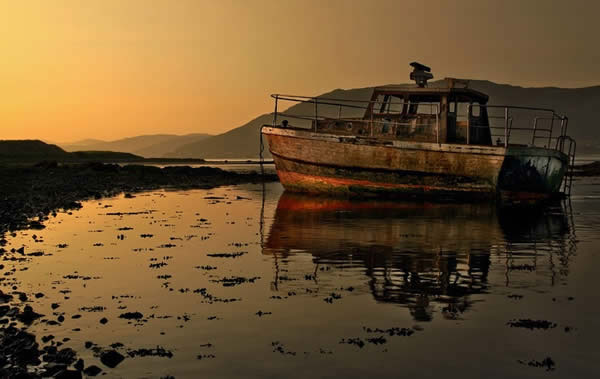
{"x": 109, "y": 69}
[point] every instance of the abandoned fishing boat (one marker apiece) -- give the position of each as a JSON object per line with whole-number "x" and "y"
{"x": 442, "y": 140}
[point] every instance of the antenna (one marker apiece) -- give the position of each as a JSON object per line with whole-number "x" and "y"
{"x": 420, "y": 74}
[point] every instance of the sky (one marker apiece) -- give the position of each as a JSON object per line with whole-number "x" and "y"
{"x": 108, "y": 69}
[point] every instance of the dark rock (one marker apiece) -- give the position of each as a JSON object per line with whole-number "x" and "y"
{"x": 48, "y": 338}
{"x": 92, "y": 370}
{"x": 79, "y": 365}
{"x": 54, "y": 305}
{"x": 111, "y": 358}
{"x": 88, "y": 344}
{"x": 28, "y": 315}
{"x": 5, "y": 298}
{"x": 39, "y": 295}
{"x": 53, "y": 368}
{"x": 61, "y": 318}
{"x": 19, "y": 347}
{"x": 50, "y": 350}
{"x": 66, "y": 356}
{"x": 68, "y": 374}
{"x": 103, "y": 320}
{"x": 131, "y": 315}
{"x": 531, "y": 324}
{"x": 22, "y": 296}
{"x": 13, "y": 312}
{"x": 158, "y": 352}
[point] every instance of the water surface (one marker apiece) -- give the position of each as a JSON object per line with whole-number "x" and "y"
{"x": 237, "y": 282}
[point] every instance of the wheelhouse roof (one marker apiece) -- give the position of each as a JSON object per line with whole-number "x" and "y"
{"x": 433, "y": 94}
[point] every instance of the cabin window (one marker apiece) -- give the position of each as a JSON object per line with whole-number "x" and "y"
{"x": 388, "y": 104}
{"x": 462, "y": 111}
{"x": 428, "y": 108}
{"x": 452, "y": 107}
{"x": 395, "y": 105}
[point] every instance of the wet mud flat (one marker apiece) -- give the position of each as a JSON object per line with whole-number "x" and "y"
{"x": 29, "y": 195}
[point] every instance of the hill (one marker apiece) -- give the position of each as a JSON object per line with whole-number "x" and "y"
{"x": 30, "y": 150}
{"x": 19, "y": 151}
{"x": 579, "y": 104}
{"x": 149, "y": 146}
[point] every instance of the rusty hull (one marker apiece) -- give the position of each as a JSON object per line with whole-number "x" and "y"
{"x": 360, "y": 166}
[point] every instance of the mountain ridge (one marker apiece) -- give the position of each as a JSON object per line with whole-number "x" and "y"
{"x": 148, "y": 145}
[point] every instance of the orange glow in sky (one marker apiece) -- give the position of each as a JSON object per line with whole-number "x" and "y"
{"x": 109, "y": 69}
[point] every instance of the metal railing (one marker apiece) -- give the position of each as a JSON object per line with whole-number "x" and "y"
{"x": 508, "y": 125}
{"x": 533, "y": 126}
{"x": 329, "y": 109}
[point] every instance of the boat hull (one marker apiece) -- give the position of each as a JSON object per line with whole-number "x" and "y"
{"x": 353, "y": 166}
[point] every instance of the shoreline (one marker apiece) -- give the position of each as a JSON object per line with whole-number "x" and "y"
{"x": 29, "y": 195}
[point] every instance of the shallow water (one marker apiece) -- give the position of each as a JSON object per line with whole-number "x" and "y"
{"x": 279, "y": 285}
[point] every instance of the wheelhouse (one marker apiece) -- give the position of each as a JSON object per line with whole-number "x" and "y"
{"x": 443, "y": 115}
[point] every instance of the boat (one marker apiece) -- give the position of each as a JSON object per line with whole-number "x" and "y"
{"x": 442, "y": 141}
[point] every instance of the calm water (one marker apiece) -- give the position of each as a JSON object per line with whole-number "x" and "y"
{"x": 292, "y": 286}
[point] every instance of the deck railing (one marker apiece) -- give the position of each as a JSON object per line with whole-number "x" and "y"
{"x": 526, "y": 126}
{"x": 508, "y": 125}
{"x": 351, "y": 113}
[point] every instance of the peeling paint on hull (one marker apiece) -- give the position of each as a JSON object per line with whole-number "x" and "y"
{"x": 352, "y": 166}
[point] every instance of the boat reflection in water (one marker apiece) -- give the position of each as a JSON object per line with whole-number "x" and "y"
{"x": 428, "y": 257}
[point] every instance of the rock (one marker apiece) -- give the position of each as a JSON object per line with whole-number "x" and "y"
{"x": 61, "y": 318}
{"x": 111, "y": 358}
{"x": 28, "y": 315}
{"x": 22, "y": 296}
{"x": 50, "y": 350}
{"x": 88, "y": 344}
{"x": 51, "y": 369}
{"x": 54, "y": 305}
{"x": 19, "y": 347}
{"x": 48, "y": 338}
{"x": 5, "y": 298}
{"x": 79, "y": 365}
{"x": 131, "y": 315}
{"x": 39, "y": 295}
{"x": 13, "y": 312}
{"x": 66, "y": 356}
{"x": 103, "y": 320}
{"x": 68, "y": 374}
{"x": 92, "y": 370}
